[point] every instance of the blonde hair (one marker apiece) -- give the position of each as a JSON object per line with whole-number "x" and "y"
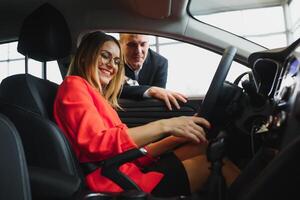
{"x": 84, "y": 64}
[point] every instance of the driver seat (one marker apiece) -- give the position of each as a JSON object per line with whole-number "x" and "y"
{"x": 49, "y": 156}
{"x": 55, "y": 172}
{"x": 28, "y": 102}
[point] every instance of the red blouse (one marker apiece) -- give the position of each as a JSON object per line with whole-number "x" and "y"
{"x": 96, "y": 132}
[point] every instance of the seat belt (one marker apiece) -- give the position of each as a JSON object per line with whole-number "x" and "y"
{"x": 89, "y": 167}
{"x": 110, "y": 168}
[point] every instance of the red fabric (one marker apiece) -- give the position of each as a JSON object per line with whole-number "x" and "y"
{"x": 96, "y": 132}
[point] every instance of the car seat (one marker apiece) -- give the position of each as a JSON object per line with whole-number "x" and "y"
{"x": 46, "y": 148}
{"x": 28, "y": 102}
{"x": 14, "y": 179}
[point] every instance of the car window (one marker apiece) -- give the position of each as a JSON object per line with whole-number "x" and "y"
{"x": 190, "y": 68}
{"x": 189, "y": 73}
{"x": 270, "y": 26}
{"x": 12, "y": 62}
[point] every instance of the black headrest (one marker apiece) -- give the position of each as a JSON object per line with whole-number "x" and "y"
{"x": 30, "y": 93}
{"x": 45, "y": 35}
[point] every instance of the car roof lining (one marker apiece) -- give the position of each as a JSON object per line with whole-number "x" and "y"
{"x": 172, "y": 21}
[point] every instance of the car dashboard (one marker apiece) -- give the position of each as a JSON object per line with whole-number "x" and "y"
{"x": 277, "y": 78}
{"x": 269, "y": 117}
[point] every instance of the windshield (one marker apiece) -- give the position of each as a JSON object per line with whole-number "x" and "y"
{"x": 273, "y": 26}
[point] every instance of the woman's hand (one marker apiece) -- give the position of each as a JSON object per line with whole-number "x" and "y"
{"x": 190, "y": 128}
{"x": 187, "y": 127}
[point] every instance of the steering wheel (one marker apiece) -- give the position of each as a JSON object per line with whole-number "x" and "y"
{"x": 215, "y": 87}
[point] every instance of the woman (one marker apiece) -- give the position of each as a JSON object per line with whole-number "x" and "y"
{"x": 84, "y": 110}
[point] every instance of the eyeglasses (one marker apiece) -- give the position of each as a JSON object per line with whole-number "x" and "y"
{"x": 107, "y": 58}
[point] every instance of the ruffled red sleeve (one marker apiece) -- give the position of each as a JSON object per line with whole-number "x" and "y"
{"x": 93, "y": 124}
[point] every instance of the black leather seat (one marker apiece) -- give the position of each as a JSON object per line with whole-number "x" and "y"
{"x": 14, "y": 180}
{"x": 28, "y": 101}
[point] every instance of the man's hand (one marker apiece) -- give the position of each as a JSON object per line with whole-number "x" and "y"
{"x": 169, "y": 97}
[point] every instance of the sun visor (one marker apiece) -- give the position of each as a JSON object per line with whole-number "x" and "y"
{"x": 154, "y": 9}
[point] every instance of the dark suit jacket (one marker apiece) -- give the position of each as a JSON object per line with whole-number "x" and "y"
{"x": 153, "y": 73}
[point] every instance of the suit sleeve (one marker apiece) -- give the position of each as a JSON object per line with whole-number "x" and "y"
{"x": 134, "y": 92}
{"x": 160, "y": 79}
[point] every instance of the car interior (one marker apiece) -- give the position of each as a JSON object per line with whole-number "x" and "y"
{"x": 255, "y": 118}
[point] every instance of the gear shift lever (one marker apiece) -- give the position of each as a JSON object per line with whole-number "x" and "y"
{"x": 215, "y": 153}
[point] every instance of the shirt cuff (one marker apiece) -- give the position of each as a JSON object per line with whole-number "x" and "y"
{"x": 146, "y": 95}
{"x": 131, "y": 82}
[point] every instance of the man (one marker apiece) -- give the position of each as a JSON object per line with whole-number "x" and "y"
{"x": 146, "y": 72}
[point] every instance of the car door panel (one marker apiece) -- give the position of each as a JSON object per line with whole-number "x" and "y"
{"x": 137, "y": 113}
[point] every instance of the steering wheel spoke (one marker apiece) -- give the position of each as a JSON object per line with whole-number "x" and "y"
{"x": 216, "y": 85}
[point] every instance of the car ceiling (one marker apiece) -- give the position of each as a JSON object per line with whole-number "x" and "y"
{"x": 160, "y": 17}
{"x": 12, "y": 12}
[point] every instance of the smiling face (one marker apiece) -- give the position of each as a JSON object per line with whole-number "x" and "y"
{"x": 135, "y": 48}
{"x": 108, "y": 62}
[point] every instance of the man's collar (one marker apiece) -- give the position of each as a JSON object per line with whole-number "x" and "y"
{"x": 129, "y": 66}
